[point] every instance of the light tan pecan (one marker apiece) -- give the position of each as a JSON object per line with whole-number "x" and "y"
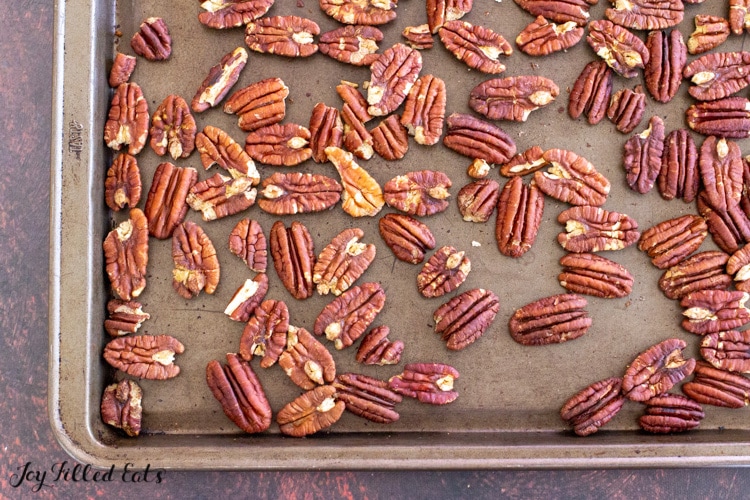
{"x": 420, "y": 193}
{"x": 347, "y": 317}
{"x": 124, "y": 317}
{"x": 642, "y": 156}
{"x": 126, "y": 255}
{"x": 475, "y": 138}
{"x": 390, "y": 139}
{"x": 367, "y": 12}
{"x": 591, "y": 274}
{"x": 220, "y": 80}
{"x": 265, "y": 333}
{"x": 127, "y": 120}
{"x": 477, "y": 200}
{"x": 710, "y": 311}
{"x": 646, "y": 14}
{"x": 559, "y": 11}
{"x": 513, "y": 97}
{"x": 672, "y": 240}
{"x": 311, "y": 412}
{"x": 678, "y": 177}
{"x": 418, "y": 37}
{"x": 593, "y": 229}
{"x": 621, "y": 50}
{"x": 326, "y": 129}
{"x": 430, "y": 383}
{"x": 216, "y": 147}
{"x": 259, "y": 104}
{"x": 121, "y": 406}
{"x": 709, "y": 33}
{"x": 478, "y": 169}
{"x": 297, "y": 193}
{"x": 711, "y": 386}
{"x": 248, "y": 242}
{"x": 524, "y": 163}
{"x": 223, "y": 14}
{"x": 342, "y": 262}
{"x": 220, "y": 196}
{"x": 424, "y": 110}
{"x": 357, "y": 45}
{"x": 165, "y": 204}
{"x": 122, "y": 187}
{"x": 362, "y": 195}
{"x": 466, "y": 317}
{"x": 247, "y": 298}
{"x": 377, "y": 349}
{"x": 550, "y": 320}
{"x": 591, "y": 92}
{"x": 293, "y": 258}
{"x": 392, "y": 75}
{"x": 718, "y": 75}
{"x": 738, "y": 266}
{"x": 667, "y": 59}
{"x": 626, "y": 108}
{"x": 739, "y": 20}
{"x": 306, "y": 361}
{"x": 593, "y": 406}
{"x": 519, "y": 214}
{"x": 196, "y": 266}
{"x": 367, "y": 397}
{"x": 289, "y": 36}
{"x": 729, "y": 350}
{"x": 478, "y": 47}
{"x": 279, "y": 145}
{"x": 145, "y": 356}
{"x": 671, "y": 413}
{"x": 123, "y": 66}
{"x": 445, "y": 271}
{"x": 542, "y": 37}
{"x": 152, "y": 40}
{"x": 407, "y": 237}
{"x": 571, "y": 178}
{"x": 440, "y": 12}
{"x": 701, "y": 271}
{"x": 173, "y": 128}
{"x": 656, "y": 370}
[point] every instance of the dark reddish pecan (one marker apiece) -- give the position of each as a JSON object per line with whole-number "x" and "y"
{"x": 729, "y": 350}
{"x": 196, "y": 266}
{"x": 306, "y": 361}
{"x": 126, "y": 255}
{"x": 357, "y": 45}
{"x": 642, "y": 156}
{"x": 216, "y": 147}
{"x": 445, "y": 271}
{"x": 240, "y": 393}
{"x": 165, "y": 204}
{"x": 220, "y": 196}
{"x": 701, "y": 271}
{"x": 293, "y": 257}
{"x": 420, "y": 193}
{"x": 122, "y": 67}
{"x": 519, "y": 214}
{"x": 671, "y": 413}
{"x": 465, "y": 318}
{"x": 710, "y": 32}
{"x": 127, "y": 120}
{"x": 247, "y": 298}
{"x": 377, "y": 349}
{"x": 222, "y": 14}
{"x": 710, "y": 311}
{"x": 289, "y": 36}
{"x": 729, "y": 227}
{"x": 152, "y": 40}
{"x": 357, "y": 139}
{"x": 542, "y": 37}
{"x": 728, "y": 117}
{"x": 297, "y": 193}
{"x": 145, "y": 356}
{"x": 124, "y": 317}
{"x": 424, "y": 110}
{"x": 367, "y": 12}
{"x": 121, "y": 406}
{"x": 347, "y": 317}
{"x": 475, "y": 138}
{"x": 418, "y": 37}
{"x": 721, "y": 170}
{"x": 718, "y": 75}
{"x": 678, "y": 177}
{"x": 362, "y": 195}
{"x": 711, "y": 386}
{"x": 670, "y": 241}
{"x": 122, "y": 187}
{"x": 477, "y": 200}
{"x": 392, "y": 75}
{"x": 626, "y": 109}
{"x": 513, "y": 97}
{"x": 524, "y": 163}
{"x": 591, "y": 92}
{"x": 590, "y": 274}
{"x": 430, "y": 383}
{"x": 621, "y": 50}
{"x": 407, "y": 237}
{"x": 279, "y": 145}
{"x": 367, "y": 397}
{"x": 739, "y": 21}
{"x": 440, "y": 12}
{"x": 389, "y": 139}
{"x": 260, "y": 104}
{"x": 646, "y": 14}
{"x": 220, "y": 80}
{"x": 355, "y": 101}
{"x": 478, "y": 47}
{"x": 311, "y": 412}
{"x": 559, "y": 11}
{"x": 326, "y": 129}
{"x": 550, "y": 320}
{"x": 571, "y": 178}
{"x": 594, "y": 406}
{"x": 342, "y": 262}
{"x": 667, "y": 59}
{"x": 738, "y": 266}
{"x": 264, "y": 334}
{"x": 593, "y": 229}
{"x": 173, "y": 128}
{"x": 248, "y": 242}
{"x": 656, "y": 370}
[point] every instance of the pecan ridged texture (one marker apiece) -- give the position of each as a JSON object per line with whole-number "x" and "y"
{"x": 718, "y": 74}
{"x": 572, "y": 178}
{"x": 542, "y": 37}
{"x": 466, "y": 317}
{"x": 550, "y": 320}
{"x": 667, "y": 59}
{"x": 123, "y": 66}
{"x": 342, "y": 262}
{"x": 356, "y": 45}
{"x": 709, "y": 33}
{"x": 124, "y": 317}
{"x": 430, "y": 383}
{"x": 626, "y": 109}
{"x": 280, "y": 145}
{"x": 440, "y": 12}
{"x": 591, "y": 92}
{"x": 126, "y": 256}
{"x": 247, "y": 241}
{"x": 367, "y": 397}
{"x": 265, "y": 333}
{"x": 656, "y": 370}
{"x": 721, "y": 169}
{"x": 475, "y": 138}
{"x": 347, "y": 317}
{"x": 739, "y": 21}
{"x": 672, "y": 240}
{"x": 121, "y": 406}
{"x": 289, "y": 36}
{"x": 593, "y": 229}
{"x": 728, "y": 117}
{"x": 646, "y": 14}
{"x": 711, "y": 386}
{"x": 738, "y": 266}
{"x": 166, "y": 204}
{"x": 678, "y": 177}
{"x": 173, "y": 128}
{"x": 445, "y": 271}
{"x": 326, "y": 129}
{"x": 710, "y": 311}
{"x": 306, "y": 361}
{"x": 408, "y": 238}
{"x": 559, "y": 11}
{"x": 196, "y": 266}
{"x": 477, "y": 200}
{"x": 220, "y": 80}
{"x": 259, "y": 104}
{"x": 367, "y": 12}
{"x": 424, "y": 110}
{"x": 420, "y": 193}
{"x": 591, "y": 274}
{"x": 293, "y": 257}
{"x": 701, "y": 271}
{"x": 216, "y": 147}
{"x": 247, "y": 298}
{"x": 145, "y": 356}
{"x": 729, "y": 227}
{"x": 127, "y": 119}
{"x": 311, "y": 412}
{"x": 220, "y": 196}
{"x": 122, "y": 187}
{"x": 728, "y": 350}
{"x": 377, "y": 349}
{"x": 297, "y": 193}
{"x": 223, "y": 14}
{"x": 418, "y": 37}
{"x": 520, "y": 208}
{"x": 623, "y": 51}
{"x": 476, "y": 46}
{"x": 524, "y": 163}
{"x": 512, "y": 98}
{"x": 390, "y": 139}
{"x": 671, "y": 413}
{"x": 362, "y": 195}
{"x": 642, "y": 156}
{"x": 592, "y": 407}
{"x": 392, "y": 76}
{"x": 152, "y": 40}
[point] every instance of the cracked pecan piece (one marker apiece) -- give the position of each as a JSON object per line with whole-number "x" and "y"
{"x": 728, "y": 350}
{"x": 152, "y": 40}
{"x": 626, "y": 109}
{"x": 420, "y": 193}
{"x": 293, "y": 257}
{"x": 265, "y": 333}
{"x": 571, "y": 178}
{"x": 621, "y": 50}
{"x": 121, "y": 406}
{"x": 347, "y": 317}
{"x": 326, "y": 129}
{"x": 559, "y": 11}
{"x": 550, "y": 320}
{"x": 524, "y": 163}
{"x": 718, "y": 74}
{"x": 279, "y": 145}
{"x": 479, "y": 169}
{"x": 127, "y": 119}
{"x": 248, "y": 242}
{"x": 646, "y": 14}
{"x": 671, "y": 413}
{"x": 738, "y": 266}
{"x": 390, "y": 139}
{"x": 728, "y": 117}
{"x": 593, "y": 229}
{"x": 475, "y": 138}
{"x": 594, "y": 406}
{"x": 667, "y": 59}
{"x": 306, "y": 361}
{"x": 173, "y": 128}
{"x": 519, "y": 214}
{"x": 124, "y": 317}
{"x": 166, "y": 204}
{"x": 512, "y": 98}
{"x": 678, "y": 177}
{"x": 478, "y": 47}
{"x": 407, "y": 237}
{"x": 196, "y": 266}
{"x": 126, "y": 256}
{"x": 247, "y": 298}
{"x": 220, "y": 196}
{"x": 656, "y": 370}
{"x": 123, "y": 66}
{"x": 145, "y": 356}
{"x": 709, "y": 33}
{"x": 356, "y": 45}
{"x": 739, "y": 21}
{"x": 466, "y": 317}
{"x": 354, "y": 100}
{"x": 642, "y": 156}
{"x": 342, "y": 262}
{"x": 591, "y": 92}
{"x": 542, "y": 37}
{"x": 711, "y": 386}
{"x": 297, "y": 193}
{"x": 709, "y": 311}
{"x": 367, "y": 397}
{"x": 220, "y": 80}
{"x": 440, "y": 12}
{"x": 445, "y": 271}
{"x": 672, "y": 240}
{"x": 311, "y": 412}
{"x": 701, "y": 271}
{"x": 367, "y": 12}
{"x": 392, "y": 76}
{"x": 430, "y": 383}
{"x": 377, "y": 349}
{"x": 362, "y": 194}
{"x": 477, "y": 200}
{"x": 418, "y": 37}
{"x": 122, "y": 187}
{"x": 259, "y": 104}
{"x": 357, "y": 139}
{"x": 591, "y": 274}
{"x": 224, "y": 14}
{"x": 424, "y": 110}
{"x": 216, "y": 147}
{"x": 289, "y": 36}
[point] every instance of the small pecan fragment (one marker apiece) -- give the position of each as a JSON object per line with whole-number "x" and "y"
{"x": 223, "y": 14}
{"x": 279, "y": 145}
{"x": 440, "y": 12}
{"x": 594, "y": 406}
{"x": 524, "y": 163}
{"x": 475, "y": 138}
{"x": 121, "y": 406}
{"x": 642, "y": 156}
{"x": 418, "y": 37}
{"x": 718, "y": 75}
{"x": 247, "y": 298}
{"x": 259, "y": 104}
{"x": 216, "y": 147}
{"x": 571, "y": 178}
{"x": 367, "y": 397}
{"x": 656, "y": 370}
{"x": 678, "y": 177}
{"x": 476, "y": 46}
{"x": 739, "y": 21}
{"x": 196, "y": 266}
{"x": 248, "y": 242}
{"x": 715, "y": 387}
{"x": 445, "y": 271}
{"x": 152, "y": 40}
{"x": 127, "y": 120}
{"x": 357, "y": 139}
{"x": 728, "y": 117}
{"x": 424, "y": 110}
{"x": 326, "y": 129}
{"x": 347, "y": 317}
{"x": 550, "y": 320}
{"x": 392, "y": 76}
{"x": 289, "y": 36}
{"x": 626, "y": 109}
{"x": 519, "y": 214}
{"x": 166, "y": 204}
{"x": 265, "y": 333}
{"x": 710, "y": 311}
{"x": 293, "y": 258}
{"x": 478, "y": 169}
{"x": 466, "y": 317}
{"x": 728, "y": 350}
{"x": 477, "y": 200}
{"x": 667, "y": 59}
{"x": 542, "y": 37}
{"x": 621, "y": 50}
{"x": 124, "y": 317}
{"x": 591, "y": 92}
{"x": 173, "y": 128}
{"x": 362, "y": 195}
{"x": 407, "y": 237}
{"x": 122, "y": 67}
{"x": 236, "y": 386}
{"x": 122, "y": 187}
{"x": 738, "y": 266}
{"x": 513, "y": 97}
{"x": 390, "y": 139}
{"x": 145, "y": 356}
{"x": 357, "y": 45}
{"x": 671, "y": 413}
{"x": 420, "y": 193}
{"x": 591, "y": 274}
{"x": 701, "y": 271}
{"x": 306, "y": 361}
{"x": 377, "y": 349}
{"x": 221, "y": 196}
{"x": 559, "y": 11}
{"x": 220, "y": 80}
{"x": 367, "y": 12}
{"x": 710, "y": 32}
{"x": 430, "y": 383}
{"x": 311, "y": 412}
{"x": 126, "y": 256}
{"x": 593, "y": 229}
{"x": 297, "y": 193}
{"x": 342, "y": 262}
{"x": 646, "y": 14}
{"x": 670, "y": 241}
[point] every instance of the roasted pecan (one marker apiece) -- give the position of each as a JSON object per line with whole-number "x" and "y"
{"x": 671, "y": 241}
{"x": 357, "y": 45}
{"x": 367, "y": 397}
{"x": 678, "y": 177}
{"x": 571, "y": 178}
{"x": 729, "y": 227}
{"x": 475, "y": 138}
{"x": 216, "y": 147}
{"x": 152, "y": 40}
{"x": 293, "y": 258}
{"x": 524, "y": 163}
{"x": 127, "y": 120}
{"x": 710, "y": 311}
{"x": 420, "y": 193}
{"x": 667, "y": 59}
{"x": 367, "y": 12}
{"x": 389, "y": 139}
{"x": 440, "y": 12}
{"x": 240, "y": 393}
{"x": 542, "y": 37}
{"x": 121, "y": 406}
{"x": 739, "y": 21}
{"x": 626, "y": 109}
{"x": 478, "y": 169}
{"x": 124, "y": 317}
{"x": 347, "y": 317}
{"x": 342, "y": 261}
{"x": 173, "y": 128}
{"x": 559, "y": 11}
{"x": 122, "y": 187}
{"x": 728, "y": 350}
{"x": 621, "y": 50}
{"x": 646, "y": 14}
{"x": 656, "y": 370}
{"x": 354, "y": 100}
{"x": 289, "y": 36}
{"x": 145, "y": 356}
{"x": 165, "y": 204}
{"x": 221, "y": 14}
{"x": 478, "y": 47}
{"x": 424, "y": 110}
{"x": 126, "y": 256}
{"x": 279, "y": 145}
{"x": 710, "y": 32}
{"x": 296, "y": 193}
{"x": 513, "y": 97}
{"x": 418, "y": 37}
{"x": 265, "y": 333}
{"x": 306, "y": 361}
{"x": 711, "y": 386}
{"x": 721, "y": 170}
{"x": 220, "y": 80}
{"x": 642, "y": 156}
{"x": 466, "y": 317}
{"x": 363, "y": 195}
{"x": 220, "y": 196}
{"x": 196, "y": 266}
{"x": 594, "y": 406}
{"x": 477, "y": 200}
{"x": 445, "y": 271}
{"x": 671, "y": 413}
{"x": 259, "y": 104}
{"x": 591, "y": 274}
{"x": 392, "y": 76}
{"x": 701, "y": 271}
{"x": 407, "y": 237}
{"x": 122, "y": 67}
{"x": 311, "y": 412}
{"x": 357, "y": 139}
{"x": 377, "y": 349}
{"x": 430, "y": 383}
{"x": 247, "y": 298}
{"x": 519, "y": 214}
{"x": 326, "y": 129}
{"x": 738, "y": 266}
{"x": 591, "y": 92}
{"x": 550, "y": 320}
{"x": 718, "y": 75}
{"x": 728, "y": 117}
{"x": 248, "y": 242}
{"x": 593, "y": 229}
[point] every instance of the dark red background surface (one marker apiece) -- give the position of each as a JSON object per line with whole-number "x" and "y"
{"x": 25, "y": 107}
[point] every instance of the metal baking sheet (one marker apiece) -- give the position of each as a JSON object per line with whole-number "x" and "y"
{"x": 507, "y": 413}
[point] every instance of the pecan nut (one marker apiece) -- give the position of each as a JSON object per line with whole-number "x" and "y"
{"x": 362, "y": 194}
{"x": 728, "y": 350}
{"x": 621, "y": 50}
{"x": 542, "y": 37}
{"x": 550, "y": 320}
{"x": 390, "y": 139}
{"x": 519, "y": 214}
{"x": 678, "y": 177}
{"x": 642, "y": 156}
{"x": 479, "y": 169}
{"x": 259, "y": 104}
{"x": 354, "y": 100}
{"x": 656, "y": 370}
{"x": 430, "y": 383}
{"x": 418, "y": 37}
{"x": 424, "y": 110}
{"x": 440, "y": 12}
{"x": 145, "y": 356}
{"x": 293, "y": 258}
{"x": 718, "y": 75}
{"x": 122, "y": 67}
{"x": 670, "y": 241}
{"x": 122, "y": 187}
{"x": 709, "y": 33}
{"x": 466, "y": 317}
{"x": 737, "y": 266}
{"x": 166, "y": 204}
{"x": 729, "y": 227}
{"x": 728, "y": 117}
{"x": 591, "y": 274}
{"x": 356, "y": 45}
{"x": 126, "y": 256}
{"x": 367, "y": 397}
{"x": 347, "y": 317}
{"x": 279, "y": 145}
{"x": 311, "y": 412}
{"x": 248, "y": 242}
{"x": 721, "y": 170}
{"x": 326, "y": 129}
{"x": 593, "y": 406}
{"x": 306, "y": 361}
{"x": 524, "y": 163}
{"x": 593, "y": 229}
{"x": 289, "y": 36}
{"x": 377, "y": 349}
{"x": 701, "y": 271}
{"x": 738, "y": 19}
{"x": 671, "y": 413}
{"x": 223, "y": 14}
{"x": 173, "y": 128}
{"x": 477, "y": 200}
{"x": 572, "y": 179}
{"x": 420, "y": 193}
{"x": 152, "y": 40}
{"x": 710, "y": 311}
{"x": 646, "y": 14}
{"x": 513, "y": 97}
{"x": 265, "y": 333}
{"x": 342, "y": 262}
{"x": 591, "y": 92}
{"x": 478, "y": 47}
{"x": 445, "y": 271}
{"x": 127, "y": 120}
{"x": 196, "y": 266}
{"x": 559, "y": 11}
{"x": 407, "y": 237}
{"x": 220, "y": 196}
{"x": 367, "y": 12}
{"x": 247, "y": 298}
{"x": 667, "y": 59}
{"x": 392, "y": 76}
{"x": 297, "y": 193}
{"x": 711, "y": 386}
{"x": 475, "y": 138}
{"x": 122, "y": 408}
{"x": 626, "y": 109}
{"x": 124, "y": 317}
{"x": 220, "y": 80}
{"x": 216, "y": 147}
{"x": 357, "y": 139}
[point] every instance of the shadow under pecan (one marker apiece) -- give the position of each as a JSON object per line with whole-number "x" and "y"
{"x": 671, "y": 413}
{"x": 293, "y": 257}
{"x": 224, "y": 14}
{"x": 728, "y": 350}
{"x": 145, "y": 356}
{"x": 290, "y": 36}
{"x": 126, "y": 256}
{"x": 377, "y": 349}
{"x": 711, "y": 386}
{"x": 656, "y": 370}
{"x": 347, "y": 317}
{"x": 342, "y": 262}
{"x": 122, "y": 187}
{"x": 248, "y": 242}
{"x": 367, "y": 397}
{"x": 196, "y": 267}
{"x": 550, "y": 320}
{"x": 247, "y": 298}
{"x": 430, "y": 383}
{"x": 445, "y": 271}
{"x": 122, "y": 408}
{"x": 265, "y": 333}
{"x": 407, "y": 237}
{"x": 306, "y": 361}
{"x": 593, "y": 406}
{"x": 220, "y": 80}
{"x": 466, "y": 317}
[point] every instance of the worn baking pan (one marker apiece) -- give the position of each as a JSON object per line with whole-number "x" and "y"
{"x": 507, "y": 414}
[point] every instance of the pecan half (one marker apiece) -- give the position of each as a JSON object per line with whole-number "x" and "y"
{"x": 728, "y": 350}
{"x": 247, "y": 298}
{"x": 656, "y": 370}
{"x": 678, "y": 177}
{"x": 424, "y": 110}
{"x": 216, "y": 147}
{"x": 306, "y": 361}
{"x": 738, "y": 266}
{"x": 591, "y": 274}
{"x": 476, "y": 46}
{"x": 220, "y": 196}
{"x": 571, "y": 178}
{"x": 646, "y": 14}
{"x": 123, "y": 66}
{"x": 721, "y": 170}
{"x": 709, "y": 33}
{"x": 357, "y": 139}
{"x": 729, "y": 227}
{"x": 220, "y": 80}
{"x": 392, "y": 76}
{"x": 127, "y": 120}
{"x": 296, "y": 193}
{"x": 293, "y": 258}
{"x": 593, "y": 229}
{"x": 342, "y": 262}
{"x": 475, "y": 138}
{"x": 265, "y": 333}
{"x": 362, "y": 195}
{"x": 710, "y": 311}
{"x": 173, "y": 128}
{"x": 354, "y": 100}
{"x": 311, "y": 412}
{"x": 591, "y": 92}
{"x": 524, "y": 163}
{"x": 390, "y": 139}
{"x": 670, "y": 241}
{"x": 718, "y": 75}
{"x": 279, "y": 145}
{"x": 377, "y": 349}
{"x": 122, "y": 187}
{"x": 701, "y": 271}
{"x": 550, "y": 320}
{"x": 145, "y": 356}
{"x": 420, "y": 193}
{"x": 671, "y": 413}
{"x": 739, "y": 21}
{"x": 440, "y": 12}
{"x": 430, "y": 383}
{"x": 124, "y": 317}
{"x": 407, "y": 237}
{"x": 559, "y": 11}
{"x": 248, "y": 242}
{"x": 152, "y": 40}
{"x": 166, "y": 204}
{"x": 513, "y": 97}
{"x": 126, "y": 256}
{"x": 367, "y": 397}
{"x": 728, "y": 117}
{"x": 667, "y": 59}
{"x": 519, "y": 214}
{"x": 711, "y": 386}
{"x": 477, "y": 200}
{"x": 259, "y": 104}
{"x": 466, "y": 317}
{"x": 196, "y": 266}
{"x": 621, "y": 50}
{"x": 326, "y": 129}
{"x": 347, "y": 317}
{"x": 357, "y": 45}
{"x": 222, "y": 14}
{"x": 593, "y": 406}
{"x": 542, "y": 37}
{"x": 642, "y": 156}
{"x": 626, "y": 109}
{"x": 418, "y": 37}
{"x": 121, "y": 406}
{"x": 445, "y": 271}
{"x": 367, "y": 12}
{"x": 289, "y": 36}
